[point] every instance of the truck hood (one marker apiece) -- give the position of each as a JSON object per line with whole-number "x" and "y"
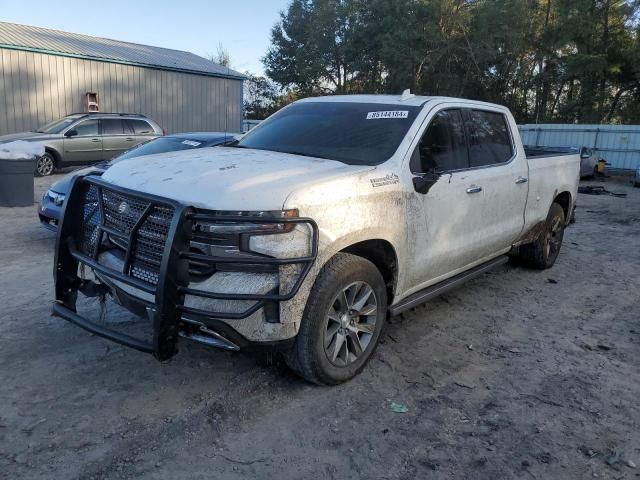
{"x": 27, "y": 137}
{"x": 225, "y": 178}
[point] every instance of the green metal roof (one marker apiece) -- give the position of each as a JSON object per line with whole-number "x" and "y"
{"x": 56, "y": 42}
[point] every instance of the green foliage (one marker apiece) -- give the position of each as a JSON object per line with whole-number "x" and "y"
{"x": 262, "y": 97}
{"x": 548, "y": 60}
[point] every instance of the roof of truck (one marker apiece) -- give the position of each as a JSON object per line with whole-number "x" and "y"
{"x": 413, "y": 100}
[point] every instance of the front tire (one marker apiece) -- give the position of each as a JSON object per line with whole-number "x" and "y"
{"x": 342, "y": 321}
{"x": 45, "y": 165}
{"x": 543, "y": 253}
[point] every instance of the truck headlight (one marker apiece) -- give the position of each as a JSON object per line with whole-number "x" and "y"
{"x": 240, "y": 262}
{"x": 248, "y": 239}
{"x": 56, "y": 198}
{"x": 252, "y": 225}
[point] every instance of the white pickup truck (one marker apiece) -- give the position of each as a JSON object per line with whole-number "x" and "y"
{"x": 314, "y": 227}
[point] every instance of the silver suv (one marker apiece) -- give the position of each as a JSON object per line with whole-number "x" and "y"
{"x": 83, "y": 138}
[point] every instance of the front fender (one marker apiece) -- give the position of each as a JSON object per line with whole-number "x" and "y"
{"x": 343, "y": 224}
{"x": 55, "y": 148}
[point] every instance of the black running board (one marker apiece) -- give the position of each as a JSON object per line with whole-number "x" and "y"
{"x": 433, "y": 291}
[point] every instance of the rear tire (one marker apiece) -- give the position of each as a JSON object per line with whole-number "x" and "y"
{"x": 342, "y": 321}
{"x": 45, "y": 165}
{"x": 543, "y": 253}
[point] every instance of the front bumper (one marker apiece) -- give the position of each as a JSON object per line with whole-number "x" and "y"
{"x": 157, "y": 234}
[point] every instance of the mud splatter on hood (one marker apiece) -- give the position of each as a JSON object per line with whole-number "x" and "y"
{"x": 225, "y": 178}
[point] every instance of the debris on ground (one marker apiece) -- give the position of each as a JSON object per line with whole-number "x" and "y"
{"x": 602, "y": 347}
{"x": 614, "y": 459}
{"x": 398, "y": 407}
{"x": 465, "y": 385}
{"x": 588, "y": 452}
{"x": 29, "y": 428}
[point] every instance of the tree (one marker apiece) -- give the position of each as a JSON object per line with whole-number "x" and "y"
{"x": 548, "y": 60}
{"x": 262, "y": 97}
{"x": 312, "y": 48}
{"x": 221, "y": 57}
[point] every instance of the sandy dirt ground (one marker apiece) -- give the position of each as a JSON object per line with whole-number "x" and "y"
{"x": 519, "y": 374}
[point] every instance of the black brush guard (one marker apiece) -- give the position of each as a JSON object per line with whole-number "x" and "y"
{"x": 157, "y": 234}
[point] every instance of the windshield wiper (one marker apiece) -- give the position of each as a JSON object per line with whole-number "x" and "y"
{"x": 303, "y": 154}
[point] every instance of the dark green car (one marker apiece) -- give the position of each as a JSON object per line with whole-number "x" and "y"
{"x": 85, "y": 138}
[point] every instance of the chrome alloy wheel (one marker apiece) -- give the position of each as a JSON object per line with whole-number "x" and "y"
{"x": 350, "y": 323}
{"x": 44, "y": 165}
{"x": 554, "y": 237}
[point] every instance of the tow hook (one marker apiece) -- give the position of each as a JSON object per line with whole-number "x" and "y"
{"x": 198, "y": 332}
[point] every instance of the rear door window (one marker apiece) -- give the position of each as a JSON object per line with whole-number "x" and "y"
{"x": 489, "y": 138}
{"x": 140, "y": 127}
{"x": 443, "y": 146}
{"x": 114, "y": 126}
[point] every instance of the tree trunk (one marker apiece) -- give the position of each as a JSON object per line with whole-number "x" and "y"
{"x": 555, "y": 101}
{"x": 605, "y": 48}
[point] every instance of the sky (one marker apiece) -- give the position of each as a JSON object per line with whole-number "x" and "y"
{"x": 198, "y": 26}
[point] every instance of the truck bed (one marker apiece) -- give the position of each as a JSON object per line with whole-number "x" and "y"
{"x": 551, "y": 170}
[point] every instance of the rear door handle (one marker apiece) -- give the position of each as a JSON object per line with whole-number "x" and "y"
{"x": 521, "y": 180}
{"x": 474, "y": 189}
{"x": 130, "y": 139}
{"x": 96, "y": 140}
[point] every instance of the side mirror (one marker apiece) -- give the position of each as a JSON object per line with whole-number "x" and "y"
{"x": 71, "y": 133}
{"x": 424, "y": 182}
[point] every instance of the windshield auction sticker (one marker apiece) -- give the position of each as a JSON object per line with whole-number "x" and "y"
{"x": 388, "y": 114}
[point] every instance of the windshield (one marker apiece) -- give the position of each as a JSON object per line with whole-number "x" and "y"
{"x": 159, "y": 145}
{"x": 352, "y": 133}
{"x": 57, "y": 126}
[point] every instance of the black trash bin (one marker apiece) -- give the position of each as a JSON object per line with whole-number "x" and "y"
{"x": 16, "y": 182}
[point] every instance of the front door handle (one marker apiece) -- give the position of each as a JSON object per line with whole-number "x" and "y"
{"x": 130, "y": 139}
{"x": 520, "y": 180}
{"x": 474, "y": 189}
{"x": 95, "y": 140}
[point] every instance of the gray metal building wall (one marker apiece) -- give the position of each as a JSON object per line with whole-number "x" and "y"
{"x": 619, "y": 145}
{"x": 36, "y": 88}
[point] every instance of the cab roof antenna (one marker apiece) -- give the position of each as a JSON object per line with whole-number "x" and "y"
{"x": 406, "y": 95}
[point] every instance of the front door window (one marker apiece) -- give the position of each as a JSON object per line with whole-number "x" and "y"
{"x": 88, "y": 128}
